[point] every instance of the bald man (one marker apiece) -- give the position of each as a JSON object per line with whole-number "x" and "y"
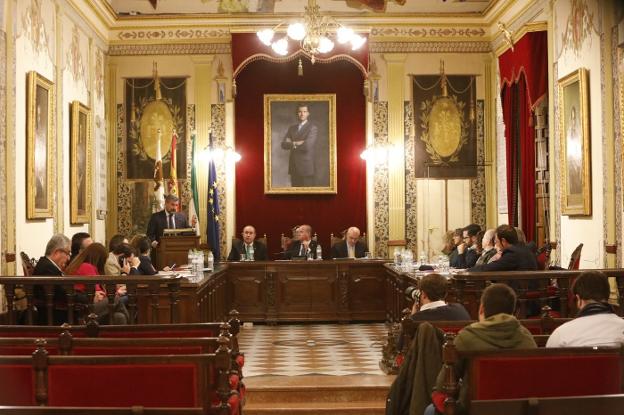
{"x": 248, "y": 249}
{"x": 350, "y": 247}
{"x": 304, "y": 246}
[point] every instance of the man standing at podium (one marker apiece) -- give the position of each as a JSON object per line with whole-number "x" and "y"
{"x": 169, "y": 218}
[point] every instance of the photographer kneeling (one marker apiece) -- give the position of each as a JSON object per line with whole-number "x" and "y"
{"x": 429, "y": 304}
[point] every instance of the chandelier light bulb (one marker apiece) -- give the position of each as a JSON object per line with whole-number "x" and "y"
{"x": 296, "y": 31}
{"x": 280, "y": 47}
{"x": 344, "y": 35}
{"x": 325, "y": 45}
{"x": 357, "y": 41}
{"x": 266, "y": 36}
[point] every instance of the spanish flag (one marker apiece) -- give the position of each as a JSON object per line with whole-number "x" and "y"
{"x": 172, "y": 183}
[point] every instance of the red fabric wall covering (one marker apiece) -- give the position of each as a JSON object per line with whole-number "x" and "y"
{"x": 276, "y": 214}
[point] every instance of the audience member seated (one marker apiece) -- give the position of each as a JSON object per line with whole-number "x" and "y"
{"x": 487, "y": 244}
{"x": 122, "y": 260}
{"x": 596, "y": 323}
{"x": 467, "y": 253}
{"x": 350, "y": 247}
{"x": 430, "y": 304}
{"x": 53, "y": 263}
{"x": 457, "y": 239}
{"x": 79, "y": 242}
{"x": 449, "y": 245}
{"x": 304, "y": 246}
{"x": 515, "y": 256}
{"x": 112, "y": 266}
{"x": 143, "y": 246}
{"x": 248, "y": 248}
{"x": 497, "y": 328}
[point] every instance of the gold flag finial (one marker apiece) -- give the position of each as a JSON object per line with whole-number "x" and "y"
{"x": 443, "y": 80}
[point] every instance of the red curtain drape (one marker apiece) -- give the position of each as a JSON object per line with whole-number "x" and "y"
{"x": 524, "y": 81}
{"x": 276, "y": 214}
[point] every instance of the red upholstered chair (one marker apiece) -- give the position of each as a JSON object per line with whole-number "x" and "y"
{"x": 575, "y": 258}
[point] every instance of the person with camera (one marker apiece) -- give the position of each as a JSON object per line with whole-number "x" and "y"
{"x": 429, "y": 304}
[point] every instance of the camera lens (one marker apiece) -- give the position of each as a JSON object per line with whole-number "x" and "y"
{"x": 411, "y": 293}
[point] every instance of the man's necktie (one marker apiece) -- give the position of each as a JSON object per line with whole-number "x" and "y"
{"x": 171, "y": 224}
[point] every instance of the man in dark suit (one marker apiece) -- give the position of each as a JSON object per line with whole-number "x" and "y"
{"x": 249, "y": 249}
{"x": 515, "y": 255}
{"x": 169, "y": 218}
{"x": 304, "y": 246}
{"x": 53, "y": 263}
{"x": 350, "y": 247}
{"x": 301, "y": 141}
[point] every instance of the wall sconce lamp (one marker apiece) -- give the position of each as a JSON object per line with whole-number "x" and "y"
{"x": 376, "y": 153}
{"x": 219, "y": 155}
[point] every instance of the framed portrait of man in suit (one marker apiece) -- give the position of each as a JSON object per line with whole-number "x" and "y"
{"x": 80, "y": 165}
{"x": 300, "y": 143}
{"x": 574, "y": 139}
{"x": 40, "y": 138}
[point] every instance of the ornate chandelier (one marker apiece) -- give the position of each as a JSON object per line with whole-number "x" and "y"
{"x": 314, "y": 34}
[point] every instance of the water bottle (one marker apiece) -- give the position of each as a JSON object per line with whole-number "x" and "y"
{"x": 397, "y": 258}
{"x": 210, "y": 261}
{"x": 250, "y": 252}
{"x": 319, "y": 252}
{"x": 198, "y": 267}
{"x": 423, "y": 258}
{"x": 189, "y": 258}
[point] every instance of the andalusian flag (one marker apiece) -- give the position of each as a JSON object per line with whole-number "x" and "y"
{"x": 159, "y": 186}
{"x": 172, "y": 183}
{"x": 194, "y": 203}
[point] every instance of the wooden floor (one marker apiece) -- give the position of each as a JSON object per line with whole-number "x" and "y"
{"x": 314, "y": 369}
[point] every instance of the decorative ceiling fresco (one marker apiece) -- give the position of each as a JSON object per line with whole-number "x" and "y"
{"x": 190, "y": 7}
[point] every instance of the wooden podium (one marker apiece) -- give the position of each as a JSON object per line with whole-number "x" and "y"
{"x": 174, "y": 249}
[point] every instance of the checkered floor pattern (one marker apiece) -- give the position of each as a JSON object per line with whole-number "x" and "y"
{"x": 306, "y": 349}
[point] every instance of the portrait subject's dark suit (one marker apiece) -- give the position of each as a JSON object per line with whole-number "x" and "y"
{"x": 301, "y": 163}
{"x": 297, "y": 250}
{"x": 159, "y": 222}
{"x": 238, "y": 249}
{"x": 45, "y": 267}
{"x": 340, "y": 250}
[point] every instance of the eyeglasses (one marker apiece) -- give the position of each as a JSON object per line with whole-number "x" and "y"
{"x": 66, "y": 251}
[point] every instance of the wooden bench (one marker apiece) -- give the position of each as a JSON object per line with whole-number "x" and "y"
{"x": 68, "y": 410}
{"x": 157, "y": 381}
{"x": 576, "y": 405}
{"x": 524, "y": 374}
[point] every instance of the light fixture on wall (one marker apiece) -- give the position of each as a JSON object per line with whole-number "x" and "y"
{"x": 314, "y": 34}
{"x": 376, "y": 153}
{"x": 219, "y": 154}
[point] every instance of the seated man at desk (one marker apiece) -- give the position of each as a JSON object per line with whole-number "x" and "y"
{"x": 350, "y": 247}
{"x": 304, "y": 246}
{"x": 169, "y": 218}
{"x": 248, "y": 249}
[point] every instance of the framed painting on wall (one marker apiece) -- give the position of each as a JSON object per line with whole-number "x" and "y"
{"x": 300, "y": 143}
{"x": 80, "y": 164}
{"x": 574, "y": 139}
{"x": 40, "y": 96}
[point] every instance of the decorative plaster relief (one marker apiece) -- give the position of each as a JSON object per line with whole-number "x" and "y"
{"x": 556, "y": 190}
{"x": 75, "y": 61}
{"x": 381, "y": 181}
{"x": 170, "y": 49}
{"x": 431, "y": 47}
{"x": 124, "y": 191}
{"x": 477, "y": 186}
{"x": 468, "y": 32}
{"x": 411, "y": 192}
{"x": 99, "y": 73}
{"x": 578, "y": 27}
{"x": 618, "y": 104}
{"x": 218, "y": 134}
{"x": 33, "y": 25}
{"x": 190, "y": 128}
{"x": 177, "y": 34}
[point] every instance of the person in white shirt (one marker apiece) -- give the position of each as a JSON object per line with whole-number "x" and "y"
{"x": 596, "y": 323}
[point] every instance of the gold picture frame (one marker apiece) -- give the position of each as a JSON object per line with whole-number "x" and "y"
{"x": 575, "y": 144}
{"x": 300, "y": 144}
{"x": 40, "y": 136}
{"x": 80, "y": 164}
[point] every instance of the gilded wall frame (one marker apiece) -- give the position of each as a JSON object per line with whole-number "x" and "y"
{"x": 40, "y": 135}
{"x": 300, "y": 159}
{"x": 80, "y": 164}
{"x": 574, "y": 139}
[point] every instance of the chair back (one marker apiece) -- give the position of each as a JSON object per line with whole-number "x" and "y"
{"x": 575, "y": 258}
{"x": 28, "y": 264}
{"x": 263, "y": 240}
{"x": 333, "y": 240}
{"x": 285, "y": 242}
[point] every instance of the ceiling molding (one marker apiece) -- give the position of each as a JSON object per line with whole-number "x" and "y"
{"x": 431, "y": 47}
{"x": 170, "y": 49}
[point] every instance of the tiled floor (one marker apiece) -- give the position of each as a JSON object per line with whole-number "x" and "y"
{"x": 306, "y": 349}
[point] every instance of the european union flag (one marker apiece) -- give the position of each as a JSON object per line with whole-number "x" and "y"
{"x": 212, "y": 230}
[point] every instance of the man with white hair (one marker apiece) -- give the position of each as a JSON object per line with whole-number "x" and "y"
{"x": 57, "y": 253}
{"x": 350, "y": 246}
{"x": 489, "y": 248}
